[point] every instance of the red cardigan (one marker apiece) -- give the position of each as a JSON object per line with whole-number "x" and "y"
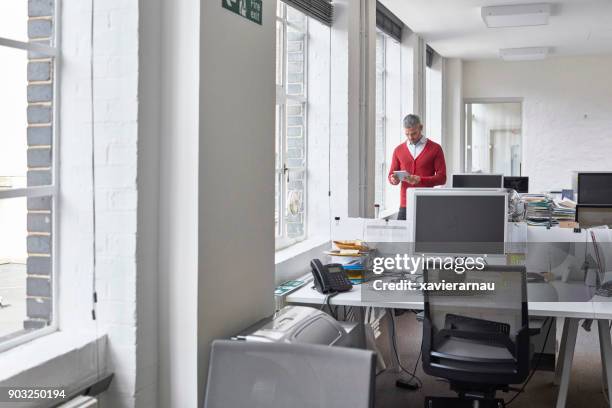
{"x": 430, "y": 165}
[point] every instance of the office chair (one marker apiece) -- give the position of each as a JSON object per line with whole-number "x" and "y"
{"x": 478, "y": 340}
{"x": 246, "y": 374}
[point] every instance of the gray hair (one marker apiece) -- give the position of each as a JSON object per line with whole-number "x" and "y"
{"x": 411, "y": 121}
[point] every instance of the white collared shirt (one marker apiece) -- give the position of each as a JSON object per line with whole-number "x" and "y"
{"x": 416, "y": 148}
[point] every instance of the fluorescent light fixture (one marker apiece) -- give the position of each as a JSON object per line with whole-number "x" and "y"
{"x": 519, "y": 15}
{"x": 523, "y": 54}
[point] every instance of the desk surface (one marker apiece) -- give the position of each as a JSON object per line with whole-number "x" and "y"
{"x": 593, "y": 307}
{"x": 582, "y": 310}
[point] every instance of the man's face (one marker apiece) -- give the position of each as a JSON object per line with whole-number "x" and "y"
{"x": 414, "y": 133}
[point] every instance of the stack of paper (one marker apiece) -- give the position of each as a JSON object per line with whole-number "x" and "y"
{"x": 543, "y": 210}
{"x": 563, "y": 211}
{"x": 537, "y": 209}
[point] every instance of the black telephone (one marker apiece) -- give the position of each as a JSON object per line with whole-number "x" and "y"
{"x": 330, "y": 278}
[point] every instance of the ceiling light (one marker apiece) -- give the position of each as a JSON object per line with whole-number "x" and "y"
{"x": 519, "y": 15}
{"x": 523, "y": 54}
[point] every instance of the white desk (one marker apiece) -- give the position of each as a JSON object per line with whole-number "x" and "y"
{"x": 308, "y": 295}
{"x": 596, "y": 308}
{"x": 572, "y": 312}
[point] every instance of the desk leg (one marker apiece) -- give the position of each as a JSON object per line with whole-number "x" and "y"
{"x": 566, "y": 357}
{"x": 370, "y": 338}
{"x": 395, "y": 363}
{"x": 562, "y": 344}
{"x": 605, "y": 346}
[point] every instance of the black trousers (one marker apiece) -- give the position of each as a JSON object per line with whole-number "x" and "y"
{"x": 401, "y": 215}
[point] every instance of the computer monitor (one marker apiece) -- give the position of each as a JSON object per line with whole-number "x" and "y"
{"x": 589, "y": 216}
{"x": 458, "y": 222}
{"x": 519, "y": 184}
{"x": 594, "y": 188}
{"x": 477, "y": 180}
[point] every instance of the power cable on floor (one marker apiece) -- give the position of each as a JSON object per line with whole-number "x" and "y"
{"x": 419, "y": 383}
{"x": 535, "y": 368}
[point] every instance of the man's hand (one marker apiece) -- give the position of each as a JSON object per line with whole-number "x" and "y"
{"x": 394, "y": 180}
{"x": 413, "y": 179}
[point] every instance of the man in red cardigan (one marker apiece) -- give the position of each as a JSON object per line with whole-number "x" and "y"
{"x": 423, "y": 159}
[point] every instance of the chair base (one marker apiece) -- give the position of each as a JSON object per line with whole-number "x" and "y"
{"x": 450, "y": 402}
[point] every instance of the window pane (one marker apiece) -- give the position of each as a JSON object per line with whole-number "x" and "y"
{"x": 380, "y": 55}
{"x": 26, "y": 115}
{"x": 296, "y": 161}
{"x": 25, "y": 265}
{"x": 433, "y": 108}
{"x": 278, "y": 174}
{"x": 277, "y": 204}
{"x": 277, "y": 137}
{"x": 14, "y": 19}
{"x": 280, "y": 40}
{"x": 296, "y": 53}
{"x": 296, "y": 141}
{"x": 294, "y": 220}
{"x": 13, "y": 117}
{"x": 380, "y": 151}
{"x": 380, "y": 172}
{"x": 296, "y": 18}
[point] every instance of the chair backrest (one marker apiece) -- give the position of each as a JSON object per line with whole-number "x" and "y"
{"x": 279, "y": 375}
{"x": 483, "y": 314}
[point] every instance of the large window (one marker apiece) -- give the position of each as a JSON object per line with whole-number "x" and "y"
{"x": 291, "y": 129}
{"x": 433, "y": 95}
{"x": 28, "y": 177}
{"x": 381, "y": 161}
{"x": 388, "y": 117}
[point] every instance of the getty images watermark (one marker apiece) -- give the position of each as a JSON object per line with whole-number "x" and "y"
{"x": 411, "y": 264}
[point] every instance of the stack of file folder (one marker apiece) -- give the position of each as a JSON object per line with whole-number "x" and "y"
{"x": 563, "y": 210}
{"x": 541, "y": 209}
{"x": 538, "y": 209}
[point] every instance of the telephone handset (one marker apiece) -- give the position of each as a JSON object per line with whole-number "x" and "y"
{"x": 330, "y": 278}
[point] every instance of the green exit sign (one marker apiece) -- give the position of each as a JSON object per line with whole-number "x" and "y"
{"x": 249, "y": 9}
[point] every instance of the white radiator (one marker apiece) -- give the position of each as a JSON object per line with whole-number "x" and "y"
{"x": 81, "y": 402}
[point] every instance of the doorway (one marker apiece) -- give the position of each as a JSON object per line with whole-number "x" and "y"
{"x": 493, "y": 137}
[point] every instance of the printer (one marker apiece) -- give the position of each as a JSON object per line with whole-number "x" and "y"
{"x": 306, "y": 325}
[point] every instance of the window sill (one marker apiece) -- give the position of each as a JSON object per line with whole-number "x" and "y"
{"x": 284, "y": 243}
{"x": 293, "y": 262}
{"x": 43, "y": 361}
{"x": 298, "y": 248}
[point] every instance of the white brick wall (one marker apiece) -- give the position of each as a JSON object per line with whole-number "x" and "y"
{"x": 116, "y": 134}
{"x": 561, "y": 97}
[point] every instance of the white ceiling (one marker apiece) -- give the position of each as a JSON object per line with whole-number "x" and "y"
{"x": 454, "y": 28}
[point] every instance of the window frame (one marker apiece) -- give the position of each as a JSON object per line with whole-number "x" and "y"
{"x": 381, "y": 114}
{"x": 52, "y": 51}
{"x": 383, "y": 119}
{"x": 281, "y": 170}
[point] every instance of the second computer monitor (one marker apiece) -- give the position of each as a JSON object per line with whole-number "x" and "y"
{"x": 594, "y": 188}
{"x": 519, "y": 184}
{"x": 459, "y": 223}
{"x": 477, "y": 180}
